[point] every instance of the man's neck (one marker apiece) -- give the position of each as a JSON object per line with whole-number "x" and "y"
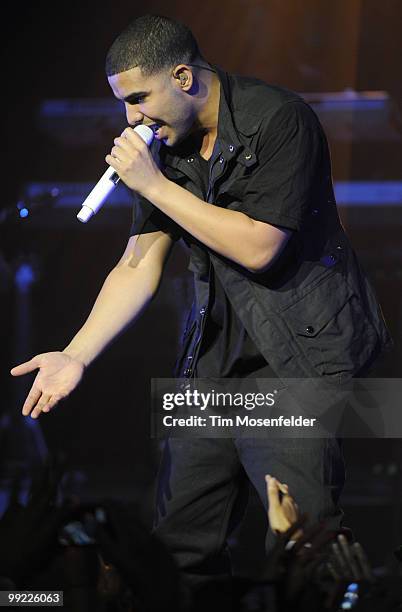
{"x": 207, "y": 117}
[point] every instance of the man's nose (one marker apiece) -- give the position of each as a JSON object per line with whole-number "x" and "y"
{"x": 133, "y": 115}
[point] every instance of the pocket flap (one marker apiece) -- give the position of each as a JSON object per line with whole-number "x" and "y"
{"x": 309, "y": 315}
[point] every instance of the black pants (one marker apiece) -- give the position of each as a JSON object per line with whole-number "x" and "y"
{"x": 203, "y": 488}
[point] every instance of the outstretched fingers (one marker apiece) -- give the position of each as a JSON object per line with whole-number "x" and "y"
{"x": 51, "y": 403}
{"x": 38, "y": 402}
{"x": 35, "y": 399}
{"x": 32, "y": 399}
{"x": 42, "y": 405}
{"x": 26, "y": 367}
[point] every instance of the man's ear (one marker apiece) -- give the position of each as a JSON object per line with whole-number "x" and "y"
{"x": 184, "y": 77}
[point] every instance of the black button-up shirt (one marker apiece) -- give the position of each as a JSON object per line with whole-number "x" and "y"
{"x": 314, "y": 312}
{"x": 226, "y": 349}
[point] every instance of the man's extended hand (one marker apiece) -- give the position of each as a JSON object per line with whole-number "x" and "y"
{"x": 133, "y": 162}
{"x": 58, "y": 375}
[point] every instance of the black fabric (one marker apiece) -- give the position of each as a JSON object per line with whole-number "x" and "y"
{"x": 314, "y": 312}
{"x": 278, "y": 191}
{"x": 226, "y": 348}
{"x": 203, "y": 165}
{"x": 203, "y": 487}
{"x": 147, "y": 219}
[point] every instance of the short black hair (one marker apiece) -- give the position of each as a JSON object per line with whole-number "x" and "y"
{"x": 153, "y": 43}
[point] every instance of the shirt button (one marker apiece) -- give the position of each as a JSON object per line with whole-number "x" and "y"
{"x": 339, "y": 247}
{"x": 231, "y": 148}
{"x": 203, "y": 310}
{"x": 187, "y": 372}
{"x": 190, "y": 160}
{"x": 309, "y": 329}
{"x": 315, "y": 211}
{"x": 189, "y": 357}
{"x": 248, "y": 156}
{"x": 221, "y": 160}
{"x": 329, "y": 260}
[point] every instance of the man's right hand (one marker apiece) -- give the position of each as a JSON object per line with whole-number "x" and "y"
{"x": 58, "y": 376}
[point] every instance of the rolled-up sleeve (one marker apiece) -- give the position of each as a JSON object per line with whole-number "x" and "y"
{"x": 147, "y": 219}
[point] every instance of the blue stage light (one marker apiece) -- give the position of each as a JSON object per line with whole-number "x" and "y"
{"x": 24, "y": 276}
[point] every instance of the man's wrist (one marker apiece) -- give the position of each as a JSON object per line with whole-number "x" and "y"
{"x": 78, "y": 355}
{"x": 156, "y": 189}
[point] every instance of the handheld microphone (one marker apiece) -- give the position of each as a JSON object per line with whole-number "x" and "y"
{"x": 108, "y": 182}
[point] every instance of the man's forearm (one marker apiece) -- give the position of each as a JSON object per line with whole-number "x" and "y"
{"x": 253, "y": 244}
{"x": 125, "y": 293}
{"x": 225, "y": 231}
{"x": 233, "y": 234}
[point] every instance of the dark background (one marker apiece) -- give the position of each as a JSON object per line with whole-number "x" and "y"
{"x": 56, "y": 51}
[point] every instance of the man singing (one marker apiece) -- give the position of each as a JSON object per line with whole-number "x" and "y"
{"x": 241, "y": 172}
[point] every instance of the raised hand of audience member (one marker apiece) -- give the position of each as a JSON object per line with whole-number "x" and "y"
{"x": 283, "y": 511}
{"x": 347, "y": 563}
{"x": 297, "y": 567}
{"x": 298, "y": 552}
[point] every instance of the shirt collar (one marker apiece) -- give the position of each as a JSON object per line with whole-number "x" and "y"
{"x": 234, "y": 133}
{"x": 230, "y": 143}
